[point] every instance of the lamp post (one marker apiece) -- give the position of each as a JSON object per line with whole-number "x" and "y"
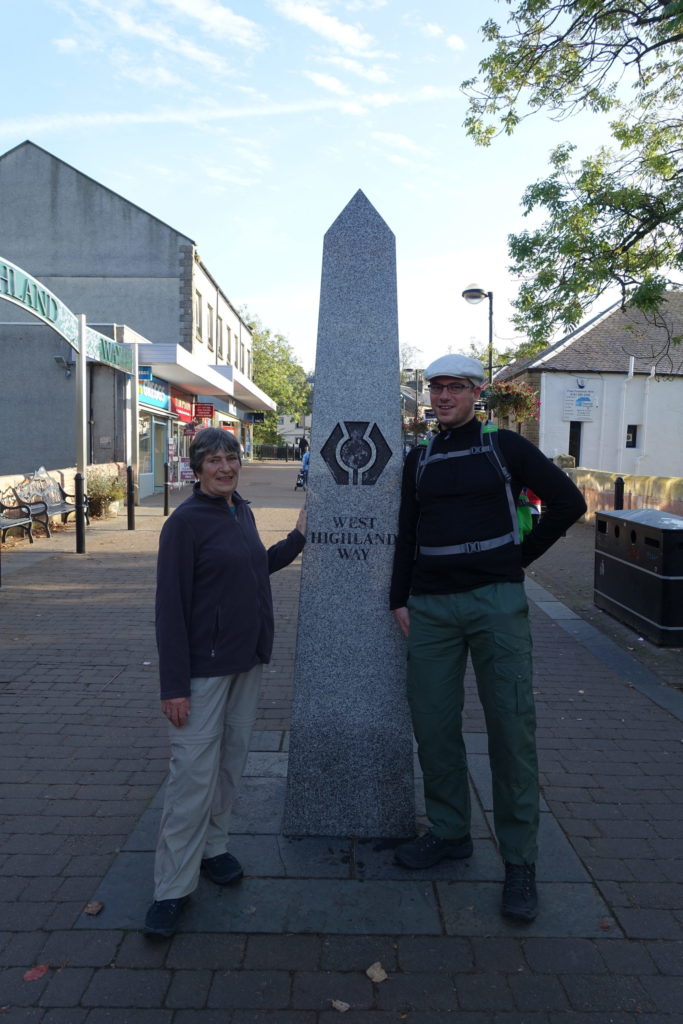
{"x": 474, "y": 294}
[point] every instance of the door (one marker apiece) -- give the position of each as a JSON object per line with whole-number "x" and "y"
{"x": 575, "y": 440}
{"x": 160, "y": 453}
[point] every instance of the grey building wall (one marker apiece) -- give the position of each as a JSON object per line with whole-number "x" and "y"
{"x": 72, "y": 233}
{"x": 37, "y": 401}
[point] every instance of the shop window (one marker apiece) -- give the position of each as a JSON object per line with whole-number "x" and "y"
{"x": 632, "y": 435}
{"x": 145, "y": 442}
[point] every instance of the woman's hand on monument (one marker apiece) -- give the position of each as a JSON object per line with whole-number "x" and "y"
{"x": 301, "y": 521}
{"x": 402, "y": 616}
{"x": 177, "y": 710}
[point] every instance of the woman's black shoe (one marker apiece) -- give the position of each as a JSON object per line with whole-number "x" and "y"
{"x": 162, "y": 917}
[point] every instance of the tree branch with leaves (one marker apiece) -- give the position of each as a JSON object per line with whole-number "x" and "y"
{"x": 616, "y": 218}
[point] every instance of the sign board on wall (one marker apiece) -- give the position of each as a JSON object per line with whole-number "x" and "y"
{"x": 578, "y": 403}
{"x": 204, "y": 410}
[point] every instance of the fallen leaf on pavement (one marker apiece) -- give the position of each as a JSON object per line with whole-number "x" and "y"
{"x": 605, "y": 926}
{"x": 93, "y": 908}
{"x": 376, "y": 972}
{"x": 36, "y": 972}
{"x": 338, "y": 1004}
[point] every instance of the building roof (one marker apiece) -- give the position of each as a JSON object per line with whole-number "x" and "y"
{"x": 605, "y": 343}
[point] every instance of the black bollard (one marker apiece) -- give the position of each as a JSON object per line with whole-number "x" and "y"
{"x": 130, "y": 496}
{"x": 618, "y": 493}
{"x": 166, "y": 488}
{"x": 80, "y": 514}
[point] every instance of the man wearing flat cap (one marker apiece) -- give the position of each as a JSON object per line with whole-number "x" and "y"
{"x": 458, "y": 588}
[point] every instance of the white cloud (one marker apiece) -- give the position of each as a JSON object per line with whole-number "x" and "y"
{"x": 328, "y": 82}
{"x": 348, "y": 37}
{"x": 455, "y": 43}
{"x": 228, "y": 176}
{"x": 156, "y": 76}
{"x": 65, "y": 45}
{"x": 432, "y": 31}
{"x": 399, "y": 141}
{"x": 218, "y": 20}
{"x": 355, "y": 67}
{"x": 162, "y": 35}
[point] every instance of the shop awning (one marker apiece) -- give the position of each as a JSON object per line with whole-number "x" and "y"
{"x": 176, "y": 365}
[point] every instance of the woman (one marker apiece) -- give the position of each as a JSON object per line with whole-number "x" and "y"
{"x": 214, "y": 621}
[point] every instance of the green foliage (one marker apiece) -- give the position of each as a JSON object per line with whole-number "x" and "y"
{"x": 278, "y": 374}
{"x": 617, "y": 217}
{"x": 512, "y": 398}
{"x": 103, "y": 488}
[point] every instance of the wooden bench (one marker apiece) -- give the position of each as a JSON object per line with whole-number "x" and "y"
{"x": 12, "y": 516}
{"x": 46, "y": 499}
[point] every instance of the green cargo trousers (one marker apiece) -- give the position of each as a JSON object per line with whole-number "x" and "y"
{"x": 491, "y": 624}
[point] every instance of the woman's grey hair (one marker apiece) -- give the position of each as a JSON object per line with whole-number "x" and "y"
{"x": 209, "y": 440}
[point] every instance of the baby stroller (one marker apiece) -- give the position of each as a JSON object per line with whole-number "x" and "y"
{"x": 301, "y": 480}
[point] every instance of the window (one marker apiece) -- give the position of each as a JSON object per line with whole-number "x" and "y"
{"x": 198, "y": 315}
{"x": 228, "y": 346}
{"x": 219, "y": 337}
{"x": 241, "y": 366}
{"x": 632, "y": 435}
{"x": 209, "y": 327}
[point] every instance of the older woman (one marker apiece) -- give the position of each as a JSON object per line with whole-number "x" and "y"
{"x": 214, "y": 619}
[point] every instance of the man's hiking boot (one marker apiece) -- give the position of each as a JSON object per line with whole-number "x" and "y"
{"x": 520, "y": 899}
{"x": 428, "y": 850}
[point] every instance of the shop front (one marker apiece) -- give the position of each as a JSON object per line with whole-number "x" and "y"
{"x": 156, "y": 421}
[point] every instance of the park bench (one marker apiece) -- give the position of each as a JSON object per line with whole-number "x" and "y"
{"x": 13, "y": 515}
{"x": 46, "y": 499}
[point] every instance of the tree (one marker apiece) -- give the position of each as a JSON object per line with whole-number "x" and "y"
{"x": 617, "y": 218}
{"x": 278, "y": 374}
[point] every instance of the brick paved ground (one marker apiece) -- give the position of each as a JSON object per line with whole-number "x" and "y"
{"x": 83, "y": 752}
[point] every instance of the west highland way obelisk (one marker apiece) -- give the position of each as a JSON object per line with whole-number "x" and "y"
{"x": 350, "y": 758}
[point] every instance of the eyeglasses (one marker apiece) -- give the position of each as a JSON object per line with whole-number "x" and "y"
{"x": 455, "y": 388}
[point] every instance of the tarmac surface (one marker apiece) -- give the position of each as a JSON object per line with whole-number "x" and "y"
{"x": 83, "y": 756}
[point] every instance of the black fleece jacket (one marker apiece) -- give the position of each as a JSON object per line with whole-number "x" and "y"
{"x": 463, "y": 499}
{"x": 214, "y": 608}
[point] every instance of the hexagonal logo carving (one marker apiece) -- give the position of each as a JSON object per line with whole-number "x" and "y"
{"x": 356, "y": 452}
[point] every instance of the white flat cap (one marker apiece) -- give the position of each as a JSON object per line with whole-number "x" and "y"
{"x": 455, "y": 365}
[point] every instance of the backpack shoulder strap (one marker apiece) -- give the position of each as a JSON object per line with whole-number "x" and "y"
{"x": 490, "y": 439}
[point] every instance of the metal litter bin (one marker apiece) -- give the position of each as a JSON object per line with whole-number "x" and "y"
{"x": 639, "y": 572}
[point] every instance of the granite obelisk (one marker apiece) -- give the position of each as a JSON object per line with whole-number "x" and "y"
{"x": 350, "y": 759}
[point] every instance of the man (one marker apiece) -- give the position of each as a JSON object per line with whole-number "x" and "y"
{"x": 457, "y": 588}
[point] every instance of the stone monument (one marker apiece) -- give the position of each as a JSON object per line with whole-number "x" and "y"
{"x": 350, "y": 759}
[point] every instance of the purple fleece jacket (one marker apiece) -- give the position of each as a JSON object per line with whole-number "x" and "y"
{"x": 214, "y": 608}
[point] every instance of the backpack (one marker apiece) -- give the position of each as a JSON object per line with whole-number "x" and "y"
{"x": 520, "y": 510}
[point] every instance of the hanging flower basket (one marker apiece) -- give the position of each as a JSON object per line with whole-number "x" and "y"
{"x": 514, "y": 399}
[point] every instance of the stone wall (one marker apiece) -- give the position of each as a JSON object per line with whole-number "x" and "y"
{"x": 659, "y": 492}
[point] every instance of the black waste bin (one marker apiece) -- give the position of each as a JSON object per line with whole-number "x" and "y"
{"x": 639, "y": 572}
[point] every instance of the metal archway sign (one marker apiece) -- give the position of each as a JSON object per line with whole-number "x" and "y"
{"x": 23, "y": 290}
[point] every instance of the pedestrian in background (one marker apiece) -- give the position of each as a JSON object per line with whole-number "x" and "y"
{"x": 214, "y": 622}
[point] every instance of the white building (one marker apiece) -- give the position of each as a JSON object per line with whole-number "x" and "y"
{"x": 105, "y": 257}
{"x": 611, "y": 392}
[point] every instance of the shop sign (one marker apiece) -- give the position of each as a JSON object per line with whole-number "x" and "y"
{"x": 204, "y": 410}
{"x": 189, "y": 431}
{"x": 182, "y": 407}
{"x": 578, "y": 404}
{"x": 185, "y": 473}
{"x": 145, "y": 372}
{"x": 154, "y": 392}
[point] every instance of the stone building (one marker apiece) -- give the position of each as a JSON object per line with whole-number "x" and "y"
{"x": 611, "y": 392}
{"x": 118, "y": 264}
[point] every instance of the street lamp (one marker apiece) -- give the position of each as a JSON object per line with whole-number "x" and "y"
{"x": 474, "y": 294}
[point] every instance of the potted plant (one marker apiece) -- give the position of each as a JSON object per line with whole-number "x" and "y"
{"x": 515, "y": 399}
{"x": 105, "y": 491}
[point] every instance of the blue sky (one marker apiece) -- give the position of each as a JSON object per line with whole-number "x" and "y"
{"x": 249, "y": 124}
